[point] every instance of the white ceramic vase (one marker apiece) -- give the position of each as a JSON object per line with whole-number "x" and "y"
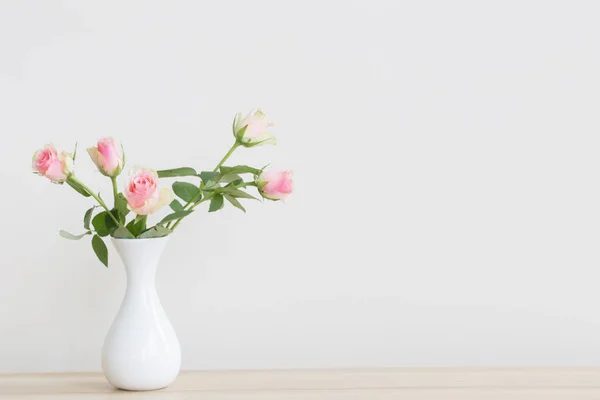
{"x": 141, "y": 350}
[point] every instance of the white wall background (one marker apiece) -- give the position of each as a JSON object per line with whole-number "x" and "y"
{"x": 447, "y": 206}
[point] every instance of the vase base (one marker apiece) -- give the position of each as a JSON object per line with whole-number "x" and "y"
{"x": 142, "y": 390}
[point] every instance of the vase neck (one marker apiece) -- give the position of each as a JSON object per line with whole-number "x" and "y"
{"x": 140, "y": 258}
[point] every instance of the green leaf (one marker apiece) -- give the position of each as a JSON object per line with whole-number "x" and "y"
{"x": 176, "y": 205}
{"x": 185, "y": 191}
{"x": 272, "y": 140}
{"x": 110, "y": 224}
{"x": 216, "y": 203}
{"x": 172, "y": 173}
{"x": 70, "y": 236}
{"x": 238, "y": 193}
{"x": 78, "y": 188}
{"x": 207, "y": 196}
{"x": 88, "y": 217}
{"x": 176, "y": 215}
{"x": 240, "y": 134}
{"x": 234, "y": 202}
{"x": 100, "y": 249}
{"x": 210, "y": 186}
{"x": 207, "y": 176}
{"x": 137, "y": 225}
{"x": 75, "y": 152}
{"x": 99, "y": 223}
{"x": 235, "y": 184}
{"x": 122, "y": 233}
{"x": 230, "y": 178}
{"x": 235, "y": 120}
{"x": 156, "y": 232}
{"x": 240, "y": 169}
{"x": 121, "y": 207}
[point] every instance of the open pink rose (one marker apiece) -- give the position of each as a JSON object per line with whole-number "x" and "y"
{"x": 142, "y": 192}
{"x": 54, "y": 166}
{"x": 107, "y": 157}
{"x": 255, "y": 133}
{"x": 275, "y": 185}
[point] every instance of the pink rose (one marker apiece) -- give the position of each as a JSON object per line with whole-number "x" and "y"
{"x": 255, "y": 133}
{"x": 54, "y": 166}
{"x": 275, "y": 185}
{"x": 107, "y": 157}
{"x": 142, "y": 192}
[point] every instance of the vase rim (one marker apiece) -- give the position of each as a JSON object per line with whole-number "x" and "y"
{"x": 139, "y": 239}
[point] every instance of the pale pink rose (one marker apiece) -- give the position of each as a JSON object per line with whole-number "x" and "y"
{"x": 256, "y": 134}
{"x": 275, "y": 185}
{"x": 107, "y": 157}
{"x": 142, "y": 192}
{"x": 54, "y": 166}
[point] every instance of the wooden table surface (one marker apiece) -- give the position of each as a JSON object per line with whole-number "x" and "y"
{"x": 359, "y": 384}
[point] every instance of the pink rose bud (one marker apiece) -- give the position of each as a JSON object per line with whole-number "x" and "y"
{"x": 252, "y": 130}
{"x": 54, "y": 166}
{"x": 107, "y": 157}
{"x": 275, "y": 185}
{"x": 142, "y": 192}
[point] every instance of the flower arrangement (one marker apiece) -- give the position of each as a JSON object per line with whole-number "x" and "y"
{"x": 143, "y": 195}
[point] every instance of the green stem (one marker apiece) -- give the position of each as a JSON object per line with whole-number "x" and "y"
{"x": 192, "y": 203}
{"x": 95, "y": 196}
{"x": 115, "y": 189}
{"x": 229, "y": 153}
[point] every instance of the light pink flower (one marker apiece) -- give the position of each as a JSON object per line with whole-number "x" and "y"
{"x": 54, "y": 166}
{"x": 142, "y": 192}
{"x": 107, "y": 157}
{"x": 255, "y": 133}
{"x": 275, "y": 185}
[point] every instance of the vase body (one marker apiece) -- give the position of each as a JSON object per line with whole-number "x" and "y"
{"x": 141, "y": 350}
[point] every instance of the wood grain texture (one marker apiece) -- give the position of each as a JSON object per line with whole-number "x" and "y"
{"x": 359, "y": 384}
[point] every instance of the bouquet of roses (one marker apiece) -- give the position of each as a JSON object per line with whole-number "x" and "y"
{"x": 143, "y": 195}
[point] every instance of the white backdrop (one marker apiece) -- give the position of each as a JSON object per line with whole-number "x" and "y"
{"x": 447, "y": 205}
